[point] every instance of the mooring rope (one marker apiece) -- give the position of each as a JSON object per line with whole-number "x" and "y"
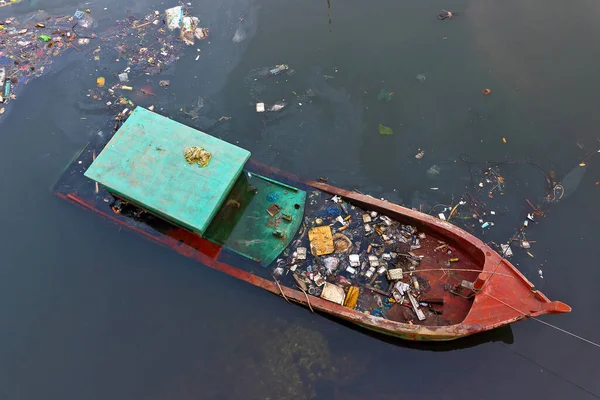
{"x": 544, "y": 322}
{"x": 280, "y": 289}
{"x": 307, "y": 299}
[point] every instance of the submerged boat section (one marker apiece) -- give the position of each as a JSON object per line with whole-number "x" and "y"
{"x": 259, "y": 218}
{"x": 144, "y": 163}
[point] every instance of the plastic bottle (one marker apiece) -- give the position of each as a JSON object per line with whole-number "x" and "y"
{"x": 415, "y": 282}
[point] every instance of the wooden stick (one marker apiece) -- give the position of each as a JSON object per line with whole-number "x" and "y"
{"x": 144, "y": 24}
{"x": 94, "y": 159}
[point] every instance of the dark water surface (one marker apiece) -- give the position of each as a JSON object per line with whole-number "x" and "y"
{"x": 93, "y": 312}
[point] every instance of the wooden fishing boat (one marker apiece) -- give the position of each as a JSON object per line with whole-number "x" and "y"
{"x": 367, "y": 261}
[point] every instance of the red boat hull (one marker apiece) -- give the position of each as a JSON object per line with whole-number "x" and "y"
{"x": 503, "y": 296}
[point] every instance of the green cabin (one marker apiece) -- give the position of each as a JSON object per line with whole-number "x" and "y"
{"x": 144, "y": 164}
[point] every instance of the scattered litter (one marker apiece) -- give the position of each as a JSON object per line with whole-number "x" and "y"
{"x": 419, "y": 155}
{"x": 333, "y": 293}
{"x": 445, "y": 14}
{"x": 321, "y": 240}
{"x": 331, "y": 264}
{"x": 394, "y": 274}
{"x": 433, "y": 170}
{"x": 354, "y": 260}
{"x": 341, "y": 243}
{"x": 100, "y": 81}
{"x": 385, "y": 95}
{"x": 301, "y": 253}
{"x": 506, "y": 250}
{"x": 351, "y": 297}
{"x": 279, "y": 68}
{"x": 260, "y": 107}
{"x": 173, "y": 17}
{"x": 197, "y": 154}
{"x": 273, "y": 210}
{"x": 124, "y": 77}
{"x": 143, "y": 43}
{"x": 4, "y": 3}
{"x": 385, "y": 130}
{"x": 421, "y": 78}
{"x": 486, "y": 92}
{"x": 277, "y": 106}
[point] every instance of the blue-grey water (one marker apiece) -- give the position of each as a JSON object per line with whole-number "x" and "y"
{"x": 90, "y": 311}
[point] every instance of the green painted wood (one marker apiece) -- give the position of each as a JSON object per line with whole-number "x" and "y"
{"x": 144, "y": 163}
{"x": 244, "y": 225}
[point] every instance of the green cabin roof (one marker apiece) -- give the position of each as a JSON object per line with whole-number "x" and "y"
{"x": 144, "y": 163}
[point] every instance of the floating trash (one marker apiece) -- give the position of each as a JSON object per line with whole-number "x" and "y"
{"x": 385, "y": 130}
{"x": 385, "y": 95}
{"x": 433, "y": 170}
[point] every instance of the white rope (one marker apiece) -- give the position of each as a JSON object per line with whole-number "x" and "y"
{"x": 567, "y": 332}
{"x": 545, "y": 323}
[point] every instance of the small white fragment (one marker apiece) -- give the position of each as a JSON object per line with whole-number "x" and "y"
{"x": 373, "y": 261}
{"x": 506, "y": 250}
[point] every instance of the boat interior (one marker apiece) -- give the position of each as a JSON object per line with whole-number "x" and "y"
{"x": 372, "y": 263}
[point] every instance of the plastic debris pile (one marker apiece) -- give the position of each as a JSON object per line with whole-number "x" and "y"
{"x": 480, "y": 211}
{"x": 27, "y": 47}
{"x": 176, "y": 18}
{"x": 148, "y": 48}
{"x": 145, "y": 45}
{"x": 363, "y": 260}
